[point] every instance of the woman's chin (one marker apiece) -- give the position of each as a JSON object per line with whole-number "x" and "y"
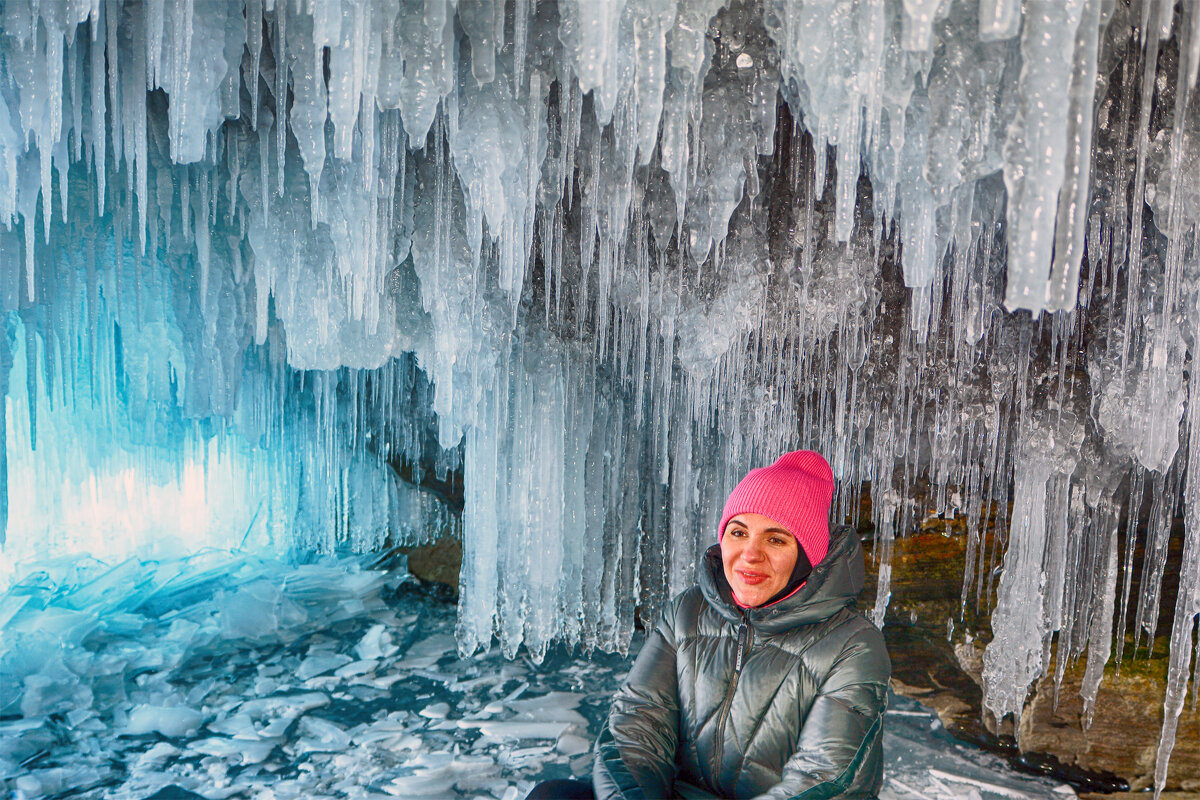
{"x": 752, "y": 595}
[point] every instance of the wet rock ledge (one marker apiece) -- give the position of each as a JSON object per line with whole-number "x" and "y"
{"x": 936, "y": 647}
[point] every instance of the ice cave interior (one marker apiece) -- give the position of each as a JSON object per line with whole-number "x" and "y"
{"x": 298, "y": 277}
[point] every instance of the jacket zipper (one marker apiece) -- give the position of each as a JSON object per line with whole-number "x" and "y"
{"x": 744, "y": 637}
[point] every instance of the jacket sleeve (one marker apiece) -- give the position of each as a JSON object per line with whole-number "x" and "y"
{"x": 840, "y": 736}
{"x": 635, "y": 753}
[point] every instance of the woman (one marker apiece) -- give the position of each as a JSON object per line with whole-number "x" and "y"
{"x": 763, "y": 681}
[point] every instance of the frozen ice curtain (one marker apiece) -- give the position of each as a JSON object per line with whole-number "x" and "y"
{"x": 271, "y": 270}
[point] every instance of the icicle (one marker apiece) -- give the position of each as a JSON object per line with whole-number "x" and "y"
{"x": 6, "y": 365}
{"x": 1073, "y": 198}
{"x": 282, "y": 56}
{"x": 1142, "y": 134}
{"x": 1037, "y": 145}
{"x": 1158, "y": 535}
{"x": 1029, "y": 599}
{"x": 309, "y": 107}
{"x": 1132, "y": 525}
{"x": 885, "y": 525}
{"x": 999, "y": 19}
{"x": 1193, "y": 49}
{"x": 1187, "y": 601}
{"x": 1100, "y": 634}
{"x": 254, "y": 43}
{"x": 9, "y": 154}
{"x": 347, "y": 68}
{"x": 918, "y": 24}
{"x": 99, "y": 126}
{"x": 31, "y": 375}
{"x": 156, "y": 21}
{"x": 75, "y": 82}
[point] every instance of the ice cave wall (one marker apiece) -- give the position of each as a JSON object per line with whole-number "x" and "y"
{"x": 260, "y": 257}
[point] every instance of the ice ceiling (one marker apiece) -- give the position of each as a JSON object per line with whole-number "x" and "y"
{"x": 596, "y": 258}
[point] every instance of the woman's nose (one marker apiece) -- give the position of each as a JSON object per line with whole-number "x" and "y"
{"x": 753, "y": 552}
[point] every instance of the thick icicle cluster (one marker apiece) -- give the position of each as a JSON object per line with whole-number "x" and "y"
{"x": 598, "y": 258}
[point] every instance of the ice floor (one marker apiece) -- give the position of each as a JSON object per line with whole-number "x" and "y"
{"x": 221, "y": 676}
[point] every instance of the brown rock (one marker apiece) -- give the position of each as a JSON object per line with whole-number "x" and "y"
{"x": 1123, "y": 738}
{"x": 936, "y": 647}
{"x": 439, "y": 562}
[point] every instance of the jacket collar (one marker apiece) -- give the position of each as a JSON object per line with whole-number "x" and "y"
{"x": 833, "y": 585}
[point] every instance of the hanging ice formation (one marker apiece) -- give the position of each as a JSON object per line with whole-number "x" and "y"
{"x": 597, "y": 258}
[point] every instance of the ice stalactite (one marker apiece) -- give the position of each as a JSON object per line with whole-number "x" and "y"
{"x": 571, "y": 267}
{"x": 1187, "y": 601}
{"x": 1029, "y": 598}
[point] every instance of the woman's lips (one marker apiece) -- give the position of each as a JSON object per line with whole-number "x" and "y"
{"x": 752, "y": 578}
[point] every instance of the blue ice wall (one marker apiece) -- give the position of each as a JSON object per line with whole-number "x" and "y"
{"x": 137, "y": 424}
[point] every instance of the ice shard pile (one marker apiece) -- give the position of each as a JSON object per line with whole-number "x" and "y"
{"x": 259, "y": 258}
{"x": 220, "y": 675}
{"x": 227, "y": 676}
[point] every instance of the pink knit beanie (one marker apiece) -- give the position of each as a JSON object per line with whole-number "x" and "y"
{"x": 796, "y": 492}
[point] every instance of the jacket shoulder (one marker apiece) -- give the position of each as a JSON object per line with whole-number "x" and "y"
{"x": 684, "y": 607}
{"x": 846, "y": 643}
{"x": 688, "y": 614}
{"x": 860, "y": 647}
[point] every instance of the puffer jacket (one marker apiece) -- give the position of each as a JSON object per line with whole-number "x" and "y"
{"x": 785, "y": 701}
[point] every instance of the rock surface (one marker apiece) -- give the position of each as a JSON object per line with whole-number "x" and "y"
{"x": 936, "y": 652}
{"x": 1123, "y": 737}
{"x": 438, "y": 562}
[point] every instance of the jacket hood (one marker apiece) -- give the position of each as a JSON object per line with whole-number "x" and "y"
{"x": 833, "y": 585}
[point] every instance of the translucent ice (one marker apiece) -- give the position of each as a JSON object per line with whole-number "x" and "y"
{"x": 173, "y": 721}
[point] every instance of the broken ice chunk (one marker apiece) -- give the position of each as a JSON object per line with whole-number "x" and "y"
{"x": 435, "y": 774}
{"x": 58, "y": 780}
{"x": 385, "y": 681}
{"x": 572, "y": 744}
{"x": 550, "y": 707}
{"x": 281, "y": 711}
{"x": 356, "y": 668}
{"x": 265, "y": 686}
{"x": 10, "y": 604}
{"x": 78, "y": 716}
{"x": 157, "y": 754}
{"x": 472, "y": 684}
{"x": 168, "y": 720}
{"x": 321, "y": 735}
{"x": 427, "y": 652}
{"x": 283, "y": 705}
{"x": 435, "y": 711}
{"x": 503, "y": 729}
{"x": 238, "y": 726}
{"x": 254, "y": 611}
{"x": 320, "y": 663}
{"x": 54, "y": 689}
{"x": 376, "y": 643}
{"x": 524, "y": 757}
{"x": 239, "y": 752}
{"x": 392, "y": 730}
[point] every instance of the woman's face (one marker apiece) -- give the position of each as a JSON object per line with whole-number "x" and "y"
{"x": 758, "y": 555}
